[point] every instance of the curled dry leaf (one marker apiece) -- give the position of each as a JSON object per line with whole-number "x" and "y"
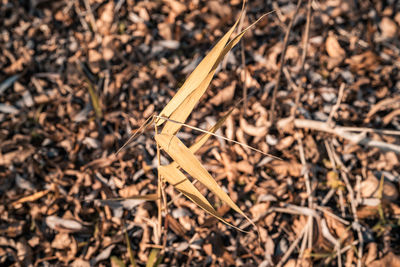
{"x": 63, "y": 225}
{"x": 368, "y": 61}
{"x": 286, "y": 168}
{"x": 372, "y": 253}
{"x": 285, "y": 142}
{"x": 389, "y": 260}
{"x": 225, "y": 95}
{"x": 388, "y": 27}
{"x": 176, "y": 6}
{"x": 333, "y": 47}
{"x": 334, "y": 50}
{"x": 370, "y": 188}
{"x": 80, "y": 263}
{"x": 61, "y": 241}
{"x": 259, "y": 131}
{"x": 340, "y": 230}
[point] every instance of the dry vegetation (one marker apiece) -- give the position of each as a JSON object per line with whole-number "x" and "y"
{"x": 316, "y": 83}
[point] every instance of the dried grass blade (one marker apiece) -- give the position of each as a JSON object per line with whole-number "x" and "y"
{"x": 183, "y": 110}
{"x": 204, "y": 137}
{"x": 129, "y": 248}
{"x": 187, "y": 161}
{"x": 222, "y": 137}
{"x": 141, "y": 129}
{"x": 154, "y": 258}
{"x": 176, "y": 178}
{"x": 94, "y": 99}
{"x": 199, "y": 73}
{"x": 148, "y": 197}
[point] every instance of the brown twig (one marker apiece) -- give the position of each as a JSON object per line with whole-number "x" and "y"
{"x": 303, "y": 60}
{"x": 329, "y": 150}
{"x": 282, "y": 61}
{"x": 360, "y": 139}
{"x": 292, "y": 246}
{"x": 370, "y": 130}
{"x": 309, "y": 232}
{"x": 337, "y": 105}
{"x": 353, "y": 205}
{"x": 306, "y": 37}
{"x": 243, "y": 58}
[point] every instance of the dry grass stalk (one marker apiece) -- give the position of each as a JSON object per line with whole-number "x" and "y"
{"x": 173, "y": 117}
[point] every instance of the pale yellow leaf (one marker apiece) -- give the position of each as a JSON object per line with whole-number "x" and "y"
{"x": 203, "y": 138}
{"x": 183, "y": 109}
{"x": 176, "y": 178}
{"x": 198, "y": 75}
{"x": 187, "y": 161}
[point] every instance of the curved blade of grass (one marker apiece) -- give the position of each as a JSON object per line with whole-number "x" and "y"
{"x": 204, "y": 137}
{"x": 187, "y": 161}
{"x": 148, "y": 197}
{"x": 141, "y": 129}
{"x": 115, "y": 261}
{"x": 154, "y": 258}
{"x": 176, "y": 178}
{"x": 129, "y": 248}
{"x": 94, "y": 99}
{"x": 185, "y": 107}
{"x": 199, "y": 73}
{"x": 222, "y": 137}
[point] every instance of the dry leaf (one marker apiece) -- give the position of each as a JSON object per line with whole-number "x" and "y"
{"x": 389, "y": 260}
{"x": 370, "y": 188}
{"x": 225, "y": 95}
{"x": 333, "y": 47}
{"x": 285, "y": 168}
{"x": 388, "y": 28}
{"x": 63, "y": 225}
{"x": 372, "y": 253}
{"x": 187, "y": 161}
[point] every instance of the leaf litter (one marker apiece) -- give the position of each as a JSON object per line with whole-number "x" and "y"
{"x": 78, "y": 77}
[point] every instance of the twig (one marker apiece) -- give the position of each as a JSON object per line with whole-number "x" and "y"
{"x": 325, "y": 210}
{"x": 353, "y": 205}
{"x": 306, "y": 37}
{"x": 308, "y": 188}
{"x": 91, "y": 16}
{"x": 244, "y": 79}
{"x": 217, "y": 135}
{"x": 296, "y": 89}
{"x": 329, "y": 150}
{"x": 337, "y": 105}
{"x": 370, "y": 130}
{"x": 243, "y": 57}
{"x": 339, "y": 131}
{"x": 282, "y": 61}
{"x": 303, "y": 60}
{"x": 305, "y": 240}
{"x": 292, "y": 247}
{"x": 289, "y": 209}
{"x": 328, "y": 236}
{"x": 279, "y": 14}
{"x": 327, "y": 197}
{"x": 141, "y": 129}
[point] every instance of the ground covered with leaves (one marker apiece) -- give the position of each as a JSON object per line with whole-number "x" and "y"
{"x": 320, "y": 89}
